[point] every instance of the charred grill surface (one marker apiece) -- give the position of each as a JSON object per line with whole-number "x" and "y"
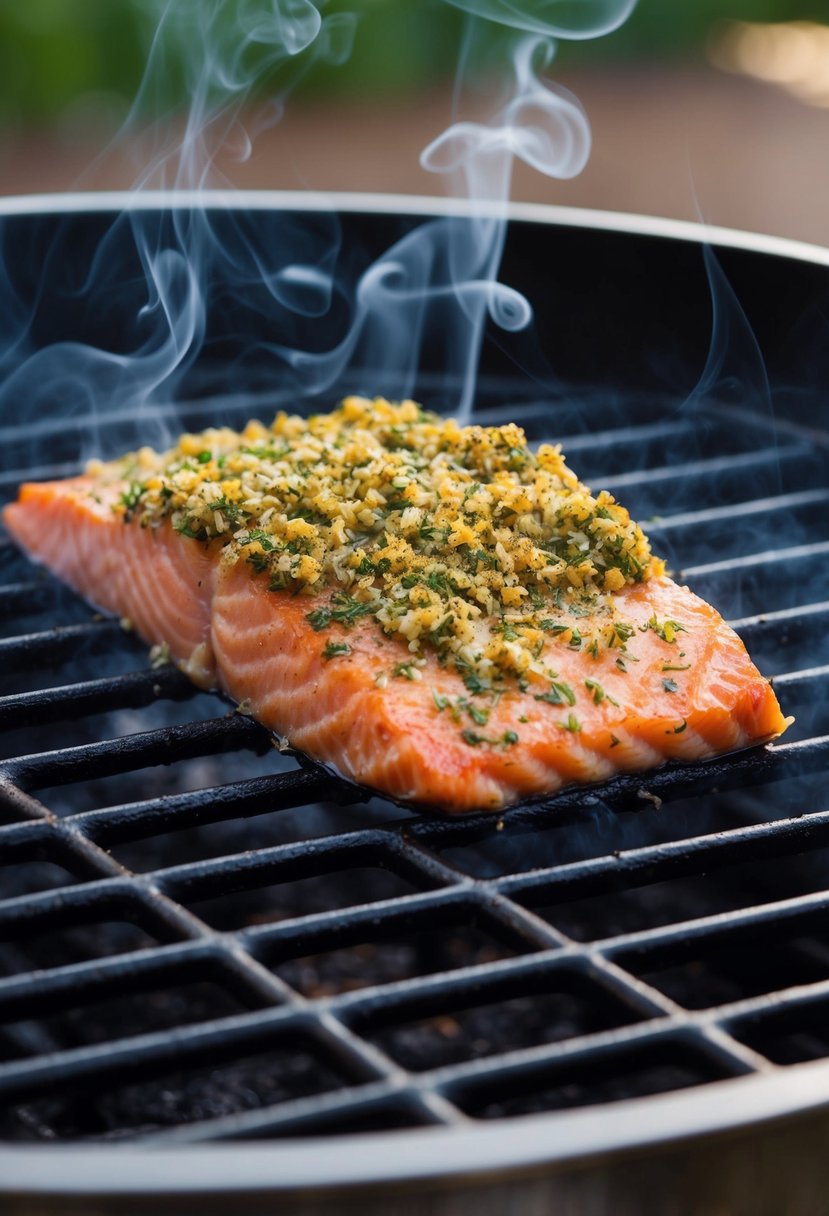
{"x": 203, "y": 938}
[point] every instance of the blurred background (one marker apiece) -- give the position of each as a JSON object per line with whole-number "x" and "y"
{"x": 703, "y": 109}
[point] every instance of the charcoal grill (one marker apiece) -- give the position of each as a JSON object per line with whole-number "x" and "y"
{"x": 229, "y": 977}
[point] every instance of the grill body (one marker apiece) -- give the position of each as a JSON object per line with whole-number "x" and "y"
{"x": 611, "y": 994}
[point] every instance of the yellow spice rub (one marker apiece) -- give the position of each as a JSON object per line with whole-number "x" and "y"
{"x": 458, "y": 540}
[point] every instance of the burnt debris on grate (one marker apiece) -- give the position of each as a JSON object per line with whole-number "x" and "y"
{"x": 201, "y": 938}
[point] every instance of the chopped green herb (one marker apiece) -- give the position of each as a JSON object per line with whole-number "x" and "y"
{"x": 474, "y": 683}
{"x": 559, "y": 694}
{"x": 622, "y": 633}
{"x": 319, "y": 618}
{"x": 407, "y": 670}
{"x": 183, "y": 528}
{"x": 473, "y": 739}
{"x": 132, "y": 495}
{"x": 259, "y": 562}
{"x": 332, "y": 649}
{"x": 572, "y": 724}
{"x": 598, "y": 693}
{"x": 666, "y": 630}
{"x": 342, "y": 608}
{"x": 262, "y": 538}
{"x": 677, "y": 729}
{"x": 204, "y": 457}
{"x": 670, "y": 685}
{"x": 614, "y": 742}
{"x": 675, "y": 666}
{"x": 441, "y": 702}
{"x": 479, "y": 716}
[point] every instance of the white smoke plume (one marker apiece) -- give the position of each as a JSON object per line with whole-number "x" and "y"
{"x": 435, "y": 287}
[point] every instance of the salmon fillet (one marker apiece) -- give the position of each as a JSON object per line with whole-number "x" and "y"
{"x": 651, "y": 673}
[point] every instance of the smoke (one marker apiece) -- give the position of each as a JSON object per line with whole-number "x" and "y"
{"x": 734, "y": 369}
{"x": 443, "y": 278}
{"x": 220, "y": 56}
{"x": 574, "y": 19}
{"x": 217, "y": 55}
{"x": 435, "y": 288}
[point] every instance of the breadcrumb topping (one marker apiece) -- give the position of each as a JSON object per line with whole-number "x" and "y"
{"x": 457, "y": 539}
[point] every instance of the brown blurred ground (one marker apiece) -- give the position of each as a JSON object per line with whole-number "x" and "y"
{"x": 689, "y": 142}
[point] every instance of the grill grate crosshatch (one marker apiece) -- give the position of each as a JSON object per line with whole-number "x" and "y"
{"x": 495, "y": 995}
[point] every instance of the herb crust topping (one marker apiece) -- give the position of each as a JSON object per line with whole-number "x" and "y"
{"x": 461, "y": 540}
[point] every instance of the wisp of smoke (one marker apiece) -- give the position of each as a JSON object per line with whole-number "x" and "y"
{"x": 443, "y": 278}
{"x": 438, "y": 284}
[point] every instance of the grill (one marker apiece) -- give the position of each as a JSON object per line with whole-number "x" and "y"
{"x": 208, "y": 939}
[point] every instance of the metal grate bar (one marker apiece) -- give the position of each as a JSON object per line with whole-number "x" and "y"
{"x": 132, "y": 691}
{"x": 151, "y": 903}
{"x": 762, "y": 622}
{"x": 251, "y": 796}
{"x": 358, "y": 1056}
{"x": 712, "y": 467}
{"x": 326, "y": 931}
{"x": 79, "y": 904}
{"x": 20, "y": 995}
{"x": 130, "y": 1055}
{"x": 454, "y": 1081}
{"x": 788, "y": 554}
{"x": 742, "y": 510}
{"x": 309, "y": 1114}
{"x": 199, "y": 879}
{"x": 65, "y": 468}
{"x": 682, "y": 936}
{"x": 678, "y": 858}
{"x": 52, "y": 646}
{"x": 809, "y": 683}
{"x": 112, "y": 756}
{"x": 27, "y": 597}
{"x": 306, "y": 934}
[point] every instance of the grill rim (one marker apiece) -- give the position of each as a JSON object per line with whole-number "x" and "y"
{"x": 518, "y": 1146}
{"x": 522, "y": 1144}
{"x": 418, "y": 206}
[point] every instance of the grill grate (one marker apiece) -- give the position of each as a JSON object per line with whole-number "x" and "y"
{"x": 281, "y": 953}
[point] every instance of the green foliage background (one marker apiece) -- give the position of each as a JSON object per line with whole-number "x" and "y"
{"x": 55, "y": 52}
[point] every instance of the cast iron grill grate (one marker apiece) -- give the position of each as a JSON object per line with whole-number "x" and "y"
{"x": 189, "y": 954}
